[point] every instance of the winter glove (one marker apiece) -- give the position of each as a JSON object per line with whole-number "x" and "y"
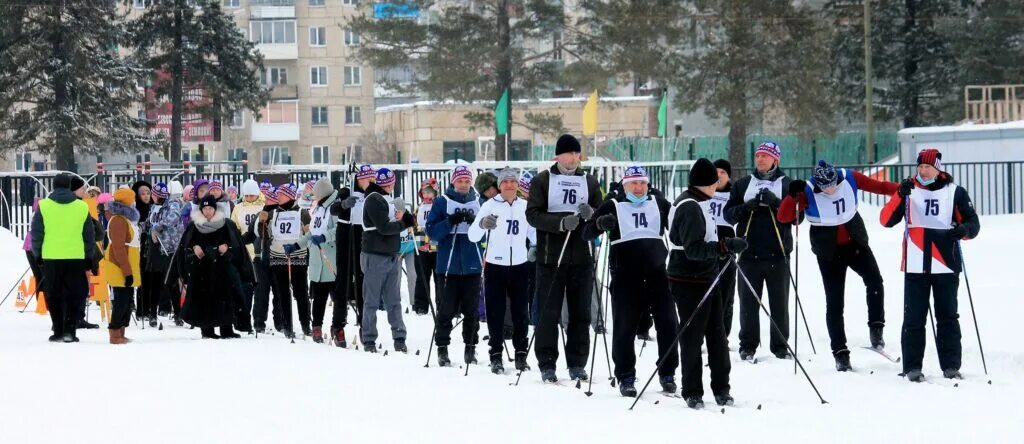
{"x": 291, "y": 248}
{"x": 570, "y": 222}
{"x": 468, "y": 216}
{"x": 958, "y": 232}
{"x": 490, "y": 222}
{"x": 408, "y": 220}
{"x": 608, "y": 222}
{"x": 348, "y": 203}
{"x": 531, "y": 254}
{"x": 751, "y": 204}
{"x": 318, "y": 239}
{"x": 734, "y": 245}
{"x": 906, "y": 187}
{"x": 335, "y": 208}
{"x": 455, "y": 218}
{"x": 768, "y": 198}
{"x": 796, "y": 187}
{"x": 586, "y": 211}
{"x": 129, "y": 280}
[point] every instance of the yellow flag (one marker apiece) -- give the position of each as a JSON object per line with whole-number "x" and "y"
{"x": 590, "y": 115}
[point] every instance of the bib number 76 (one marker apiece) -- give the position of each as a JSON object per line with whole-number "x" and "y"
{"x": 569, "y": 196}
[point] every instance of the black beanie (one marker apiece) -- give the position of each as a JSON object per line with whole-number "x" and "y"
{"x": 76, "y": 183}
{"x": 567, "y": 144}
{"x": 725, "y": 165}
{"x": 703, "y": 173}
{"x": 62, "y": 180}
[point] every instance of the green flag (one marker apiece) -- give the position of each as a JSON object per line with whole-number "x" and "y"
{"x": 501, "y": 114}
{"x": 663, "y": 115}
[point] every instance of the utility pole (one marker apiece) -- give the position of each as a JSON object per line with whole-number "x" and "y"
{"x": 868, "y": 84}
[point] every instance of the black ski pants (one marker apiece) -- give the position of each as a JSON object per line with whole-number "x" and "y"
{"x": 339, "y": 313}
{"x": 705, "y": 324}
{"x": 66, "y": 289}
{"x": 573, "y": 284}
{"x": 773, "y": 274}
{"x": 461, "y": 294}
{"x": 261, "y": 296}
{"x": 506, "y": 284}
{"x": 833, "y": 275}
{"x": 426, "y": 262}
{"x": 283, "y": 294}
{"x": 917, "y": 289}
{"x": 636, "y": 295}
{"x": 727, "y": 288}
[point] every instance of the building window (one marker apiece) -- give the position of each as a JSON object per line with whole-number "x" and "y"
{"x": 355, "y": 154}
{"x": 556, "y": 46}
{"x": 317, "y": 36}
{"x": 316, "y": 2}
{"x": 319, "y": 116}
{"x": 236, "y": 154}
{"x": 23, "y": 161}
{"x": 318, "y": 75}
{"x": 140, "y": 4}
{"x": 353, "y": 115}
{"x": 232, "y": 3}
{"x": 350, "y": 2}
{"x": 279, "y": 112}
{"x": 275, "y": 155}
{"x": 192, "y": 155}
{"x": 238, "y": 118}
{"x": 351, "y": 38}
{"x": 353, "y": 76}
{"x": 321, "y": 154}
{"x": 273, "y": 31}
{"x": 274, "y": 76}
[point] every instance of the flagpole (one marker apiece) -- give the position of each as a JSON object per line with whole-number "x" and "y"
{"x": 664, "y": 139}
{"x": 506, "y": 147}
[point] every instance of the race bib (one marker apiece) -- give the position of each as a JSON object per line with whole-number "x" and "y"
{"x": 318, "y": 224}
{"x": 566, "y": 193}
{"x": 717, "y": 206}
{"x": 356, "y": 216}
{"x": 638, "y": 222}
{"x": 932, "y": 209}
{"x": 287, "y": 226}
{"x": 834, "y": 210}
{"x": 756, "y": 185}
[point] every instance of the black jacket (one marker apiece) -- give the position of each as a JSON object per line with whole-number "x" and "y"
{"x": 640, "y": 255}
{"x": 385, "y": 239}
{"x": 65, "y": 196}
{"x": 762, "y": 240}
{"x": 550, "y": 236}
{"x": 698, "y": 261}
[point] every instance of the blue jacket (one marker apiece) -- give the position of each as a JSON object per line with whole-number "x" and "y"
{"x": 456, "y": 255}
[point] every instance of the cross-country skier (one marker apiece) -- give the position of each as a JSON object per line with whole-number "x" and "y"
{"x": 840, "y": 241}
{"x": 322, "y": 270}
{"x": 427, "y": 255}
{"x": 692, "y": 268}
{"x": 636, "y": 221}
{"x": 289, "y": 257}
{"x": 752, "y": 205}
{"x": 560, "y": 199}
{"x": 940, "y": 216}
{"x": 727, "y": 287}
{"x": 245, "y": 214}
{"x": 348, "y": 208}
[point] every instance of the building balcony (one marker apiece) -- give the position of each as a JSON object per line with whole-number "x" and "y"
{"x": 284, "y": 92}
{"x": 275, "y": 132}
{"x": 271, "y": 9}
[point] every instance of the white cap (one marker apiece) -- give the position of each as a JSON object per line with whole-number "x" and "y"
{"x": 250, "y": 188}
{"x": 174, "y": 188}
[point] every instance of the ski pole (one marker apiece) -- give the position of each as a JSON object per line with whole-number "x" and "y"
{"x": 18, "y": 281}
{"x": 605, "y": 271}
{"x": 789, "y": 271}
{"x": 970, "y": 298}
{"x": 777, "y": 330}
{"x": 547, "y": 302}
{"x": 679, "y": 333}
{"x": 796, "y": 318}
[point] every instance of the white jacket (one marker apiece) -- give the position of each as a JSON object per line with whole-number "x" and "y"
{"x": 507, "y": 243}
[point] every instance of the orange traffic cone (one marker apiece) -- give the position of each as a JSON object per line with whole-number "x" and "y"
{"x": 41, "y": 304}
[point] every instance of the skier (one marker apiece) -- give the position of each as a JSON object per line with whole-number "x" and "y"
{"x": 154, "y": 271}
{"x": 531, "y": 253}
{"x": 257, "y": 234}
{"x": 348, "y": 208}
{"x": 840, "y": 241}
{"x": 121, "y": 265}
{"x": 427, "y": 254}
{"x": 245, "y": 214}
{"x": 560, "y": 199}
{"x": 63, "y": 239}
{"x": 503, "y": 219}
{"x": 940, "y": 215}
{"x": 322, "y": 271}
{"x": 147, "y": 299}
{"x": 635, "y": 222}
{"x": 692, "y": 268}
{"x": 167, "y": 231}
{"x": 727, "y": 286}
{"x": 289, "y": 257}
{"x": 384, "y": 218}
{"x": 752, "y": 205}
{"x": 459, "y": 261}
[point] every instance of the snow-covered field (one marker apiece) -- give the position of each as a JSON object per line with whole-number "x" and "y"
{"x": 170, "y": 386}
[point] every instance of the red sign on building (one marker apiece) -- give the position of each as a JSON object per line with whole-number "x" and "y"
{"x": 194, "y": 128}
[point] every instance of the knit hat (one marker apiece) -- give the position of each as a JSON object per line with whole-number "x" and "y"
{"x": 174, "y": 188}
{"x": 724, "y": 165}
{"x": 703, "y": 173}
{"x": 429, "y": 184}
{"x": 635, "y": 173}
{"x": 286, "y": 192}
{"x": 308, "y": 187}
{"x": 124, "y": 196}
{"x": 232, "y": 189}
{"x": 250, "y": 188}
{"x": 216, "y": 185}
{"x": 461, "y": 172}
{"x": 824, "y": 175}
{"x": 524, "y": 182}
{"x": 76, "y": 183}
{"x": 207, "y": 201}
{"x": 62, "y": 180}
{"x": 270, "y": 196}
{"x": 186, "y": 193}
{"x": 160, "y": 190}
{"x": 199, "y": 184}
{"x": 265, "y": 186}
{"x": 322, "y": 188}
{"x": 769, "y": 148}
{"x": 104, "y": 198}
{"x": 366, "y": 171}
{"x": 485, "y": 181}
{"x": 567, "y": 144}
{"x": 508, "y": 174}
{"x": 930, "y": 156}
{"x": 385, "y": 177}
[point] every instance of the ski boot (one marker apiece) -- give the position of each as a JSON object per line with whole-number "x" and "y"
{"x": 55, "y": 338}
{"x": 952, "y": 373}
{"x": 724, "y": 399}
{"x": 442, "y": 356}
{"x": 843, "y": 361}
{"x": 208, "y": 333}
{"x": 470, "y": 355}
{"x": 306, "y": 331}
{"x": 178, "y": 322}
{"x": 86, "y": 325}
{"x": 577, "y": 373}
{"x": 627, "y": 387}
{"x": 338, "y": 336}
{"x": 400, "y": 346}
{"x": 599, "y": 329}
{"x": 915, "y": 376}
{"x": 746, "y": 355}
{"x": 318, "y": 335}
{"x": 521, "y": 364}
{"x": 644, "y": 336}
{"x": 496, "y": 365}
{"x": 227, "y": 333}
{"x": 370, "y": 347}
{"x": 288, "y": 333}
{"x": 548, "y": 375}
{"x": 152, "y": 322}
{"x": 668, "y": 384}
{"x": 877, "y": 342}
{"x": 783, "y": 355}
{"x": 694, "y": 402}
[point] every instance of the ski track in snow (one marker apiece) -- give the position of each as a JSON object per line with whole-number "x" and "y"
{"x": 170, "y": 386}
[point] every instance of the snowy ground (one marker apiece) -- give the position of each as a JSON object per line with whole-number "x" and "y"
{"x": 170, "y": 386}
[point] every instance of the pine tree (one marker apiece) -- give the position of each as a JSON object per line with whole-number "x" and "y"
{"x": 990, "y": 47}
{"x": 64, "y": 89}
{"x": 468, "y": 53}
{"x": 749, "y": 55}
{"x": 199, "y": 46}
